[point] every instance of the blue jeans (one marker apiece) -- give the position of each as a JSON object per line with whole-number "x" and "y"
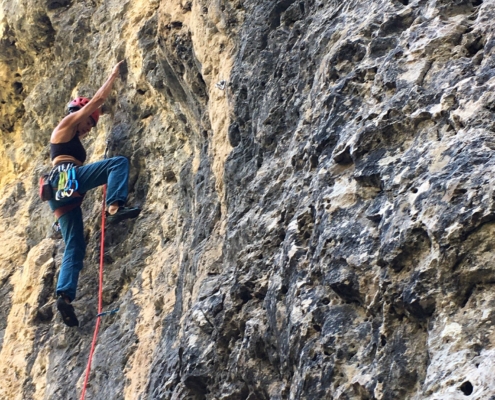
{"x": 115, "y": 173}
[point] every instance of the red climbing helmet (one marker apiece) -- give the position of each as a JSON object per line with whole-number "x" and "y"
{"x": 80, "y": 102}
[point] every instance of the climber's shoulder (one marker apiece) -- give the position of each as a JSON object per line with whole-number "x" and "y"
{"x": 65, "y": 130}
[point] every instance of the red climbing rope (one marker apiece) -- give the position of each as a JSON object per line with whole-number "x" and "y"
{"x": 100, "y": 294}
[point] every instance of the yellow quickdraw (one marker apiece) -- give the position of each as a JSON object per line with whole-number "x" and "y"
{"x": 62, "y": 180}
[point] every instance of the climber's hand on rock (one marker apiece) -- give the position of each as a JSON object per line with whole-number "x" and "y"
{"x": 116, "y": 69}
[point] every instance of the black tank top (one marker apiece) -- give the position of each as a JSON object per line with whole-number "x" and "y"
{"x": 72, "y": 148}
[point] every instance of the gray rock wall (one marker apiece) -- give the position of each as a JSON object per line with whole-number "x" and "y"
{"x": 316, "y": 178}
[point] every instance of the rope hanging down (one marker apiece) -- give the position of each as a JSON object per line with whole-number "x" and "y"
{"x": 100, "y": 295}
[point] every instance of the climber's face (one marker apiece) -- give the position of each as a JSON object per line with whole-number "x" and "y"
{"x": 84, "y": 127}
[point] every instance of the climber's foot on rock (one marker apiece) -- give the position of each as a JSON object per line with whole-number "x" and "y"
{"x": 122, "y": 214}
{"x": 66, "y": 310}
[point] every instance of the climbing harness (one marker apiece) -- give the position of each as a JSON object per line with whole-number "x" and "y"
{"x": 66, "y": 187}
{"x": 45, "y": 186}
{"x": 67, "y": 183}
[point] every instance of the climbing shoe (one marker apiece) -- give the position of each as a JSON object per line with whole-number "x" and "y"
{"x": 123, "y": 213}
{"x": 67, "y": 312}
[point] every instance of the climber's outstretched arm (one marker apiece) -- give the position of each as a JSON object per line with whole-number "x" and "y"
{"x": 65, "y": 130}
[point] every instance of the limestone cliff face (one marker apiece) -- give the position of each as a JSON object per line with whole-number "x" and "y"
{"x": 316, "y": 178}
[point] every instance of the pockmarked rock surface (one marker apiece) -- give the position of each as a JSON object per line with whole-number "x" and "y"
{"x": 317, "y": 185}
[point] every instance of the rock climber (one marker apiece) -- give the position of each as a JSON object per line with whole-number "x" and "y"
{"x": 71, "y": 180}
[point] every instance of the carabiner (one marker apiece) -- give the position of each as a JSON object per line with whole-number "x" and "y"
{"x": 72, "y": 182}
{"x": 56, "y": 226}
